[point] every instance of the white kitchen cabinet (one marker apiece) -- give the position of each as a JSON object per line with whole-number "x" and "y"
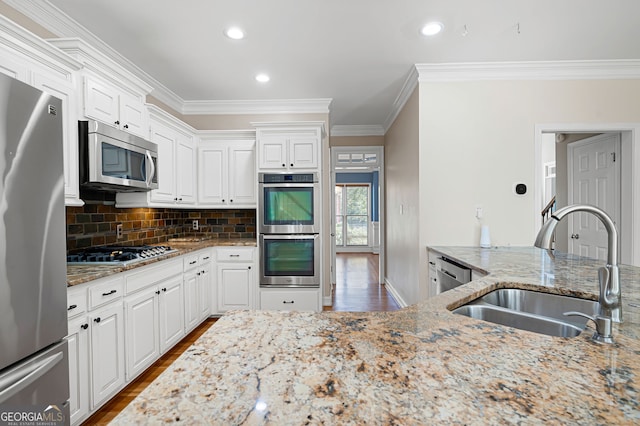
{"x": 176, "y": 168}
{"x": 433, "y": 274}
{"x": 107, "y": 352}
{"x": 289, "y": 146}
{"x": 78, "y": 342}
{"x": 171, "y": 313}
{"x": 226, "y": 172}
{"x": 115, "y": 107}
{"x": 290, "y": 299}
{"x": 197, "y": 287}
{"x": 190, "y": 300}
{"x": 205, "y": 282}
{"x": 142, "y": 330}
{"x": 236, "y": 278}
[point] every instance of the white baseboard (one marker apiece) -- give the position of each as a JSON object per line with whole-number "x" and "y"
{"x": 394, "y": 293}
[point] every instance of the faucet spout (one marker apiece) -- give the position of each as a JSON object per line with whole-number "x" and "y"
{"x": 608, "y": 276}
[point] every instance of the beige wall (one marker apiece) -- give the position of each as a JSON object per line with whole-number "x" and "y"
{"x": 357, "y": 140}
{"x": 478, "y": 138}
{"x": 20, "y": 19}
{"x": 402, "y": 189}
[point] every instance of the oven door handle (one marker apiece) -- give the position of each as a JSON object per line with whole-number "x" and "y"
{"x": 289, "y": 236}
{"x": 151, "y": 169}
{"x": 288, "y": 185}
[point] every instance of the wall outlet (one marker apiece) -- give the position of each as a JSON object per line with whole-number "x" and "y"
{"x": 119, "y": 231}
{"x": 196, "y": 225}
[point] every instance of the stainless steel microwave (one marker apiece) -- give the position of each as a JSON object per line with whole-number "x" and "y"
{"x": 114, "y": 160}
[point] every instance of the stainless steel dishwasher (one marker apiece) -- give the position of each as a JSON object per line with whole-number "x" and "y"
{"x": 451, "y": 274}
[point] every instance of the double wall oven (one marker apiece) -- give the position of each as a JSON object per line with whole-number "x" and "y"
{"x": 289, "y": 225}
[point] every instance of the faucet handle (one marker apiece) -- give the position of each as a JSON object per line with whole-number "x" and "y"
{"x": 603, "y": 332}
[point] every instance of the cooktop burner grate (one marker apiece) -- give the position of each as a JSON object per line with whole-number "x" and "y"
{"x": 117, "y": 255}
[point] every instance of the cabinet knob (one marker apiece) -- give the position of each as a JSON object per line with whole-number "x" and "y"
{"x": 84, "y": 326}
{"x": 164, "y": 289}
{"x": 231, "y": 201}
{"x": 117, "y": 122}
{"x": 180, "y": 199}
{"x": 158, "y": 292}
{"x": 248, "y": 267}
{"x": 175, "y": 199}
{"x": 198, "y": 273}
{"x": 284, "y": 165}
{"x": 291, "y": 164}
{"x": 97, "y": 319}
{"x": 126, "y": 126}
{"x": 223, "y": 200}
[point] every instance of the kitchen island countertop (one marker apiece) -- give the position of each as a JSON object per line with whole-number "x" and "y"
{"x": 418, "y": 365}
{"x": 78, "y": 274}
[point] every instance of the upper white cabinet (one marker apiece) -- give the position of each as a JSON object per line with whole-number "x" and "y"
{"x": 176, "y": 165}
{"x": 115, "y": 107}
{"x": 28, "y": 58}
{"x": 110, "y": 92}
{"x": 227, "y": 170}
{"x": 289, "y": 146}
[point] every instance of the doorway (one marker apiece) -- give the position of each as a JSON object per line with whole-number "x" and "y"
{"x": 357, "y": 178}
{"x": 572, "y": 147}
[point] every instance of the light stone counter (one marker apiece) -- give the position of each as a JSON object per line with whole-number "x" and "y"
{"x": 78, "y": 274}
{"x": 419, "y": 365}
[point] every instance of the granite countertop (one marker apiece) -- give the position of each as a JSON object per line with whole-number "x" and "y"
{"x": 419, "y": 365}
{"x": 78, "y": 274}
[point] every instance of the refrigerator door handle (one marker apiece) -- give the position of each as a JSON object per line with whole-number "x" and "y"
{"x": 17, "y": 380}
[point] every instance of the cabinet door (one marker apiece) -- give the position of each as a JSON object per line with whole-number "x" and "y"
{"x": 142, "y": 331}
{"x": 272, "y": 152}
{"x": 101, "y": 101}
{"x": 235, "y": 282}
{"x": 212, "y": 171}
{"x": 107, "y": 352}
{"x": 171, "y": 313}
{"x": 165, "y": 138}
{"x": 204, "y": 287}
{"x": 65, "y": 92}
{"x": 303, "y": 152}
{"x": 191, "y": 314}
{"x": 78, "y": 341}
{"x": 242, "y": 174}
{"x": 133, "y": 115}
{"x": 186, "y": 170}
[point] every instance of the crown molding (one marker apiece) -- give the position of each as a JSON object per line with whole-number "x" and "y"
{"x": 410, "y": 84}
{"x": 20, "y": 39}
{"x": 59, "y": 23}
{"x": 158, "y": 114}
{"x": 267, "y": 106}
{"x": 541, "y": 70}
{"x": 357, "y": 130}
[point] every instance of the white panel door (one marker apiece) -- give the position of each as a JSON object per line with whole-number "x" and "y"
{"x": 165, "y": 138}
{"x": 272, "y": 152}
{"x": 212, "y": 172}
{"x": 234, "y": 286}
{"x": 191, "y": 310}
{"x": 101, "y": 101}
{"x": 78, "y": 342}
{"x": 107, "y": 352}
{"x": 133, "y": 115}
{"x": 142, "y": 331}
{"x": 171, "y": 313}
{"x": 303, "y": 152}
{"x": 186, "y": 168}
{"x": 594, "y": 179}
{"x": 242, "y": 174}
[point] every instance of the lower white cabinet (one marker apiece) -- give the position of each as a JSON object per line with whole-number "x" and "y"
{"x": 197, "y": 288}
{"x": 78, "y": 341}
{"x": 107, "y": 352}
{"x": 290, "y": 300}
{"x": 236, "y": 278}
{"x": 171, "y": 313}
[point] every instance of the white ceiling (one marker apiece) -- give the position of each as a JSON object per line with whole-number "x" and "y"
{"x": 357, "y": 52}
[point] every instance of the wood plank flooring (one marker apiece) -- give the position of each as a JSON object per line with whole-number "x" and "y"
{"x": 357, "y": 290}
{"x": 358, "y": 287}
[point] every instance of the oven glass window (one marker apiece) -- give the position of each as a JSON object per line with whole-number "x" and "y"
{"x": 122, "y": 163}
{"x": 288, "y": 258}
{"x": 288, "y": 206}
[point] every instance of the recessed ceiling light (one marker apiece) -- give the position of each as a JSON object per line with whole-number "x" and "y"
{"x": 432, "y": 28}
{"x": 234, "y": 33}
{"x": 262, "y": 78}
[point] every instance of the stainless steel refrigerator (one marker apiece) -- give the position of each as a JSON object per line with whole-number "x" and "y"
{"x": 34, "y": 370}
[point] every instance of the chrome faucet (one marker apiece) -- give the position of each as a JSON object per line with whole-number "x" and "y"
{"x": 609, "y": 276}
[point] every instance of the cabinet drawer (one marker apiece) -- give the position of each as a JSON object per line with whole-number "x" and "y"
{"x": 204, "y": 257}
{"x": 102, "y": 292}
{"x": 76, "y": 301}
{"x": 235, "y": 254}
{"x": 294, "y": 300}
{"x": 190, "y": 261}
{"x": 151, "y": 274}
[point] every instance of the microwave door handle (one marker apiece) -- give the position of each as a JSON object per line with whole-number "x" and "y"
{"x": 151, "y": 169}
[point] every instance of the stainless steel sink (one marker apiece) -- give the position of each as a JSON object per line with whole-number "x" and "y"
{"x": 531, "y": 311}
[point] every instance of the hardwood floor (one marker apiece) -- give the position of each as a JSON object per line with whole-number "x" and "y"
{"x": 358, "y": 287}
{"x": 357, "y": 290}
{"x": 111, "y": 409}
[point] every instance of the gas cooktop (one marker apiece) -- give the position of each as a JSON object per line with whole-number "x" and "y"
{"x": 117, "y": 255}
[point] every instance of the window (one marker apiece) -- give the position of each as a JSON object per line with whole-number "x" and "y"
{"x": 352, "y": 215}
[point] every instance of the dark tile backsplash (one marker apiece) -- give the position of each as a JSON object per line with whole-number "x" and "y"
{"x": 95, "y": 225}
